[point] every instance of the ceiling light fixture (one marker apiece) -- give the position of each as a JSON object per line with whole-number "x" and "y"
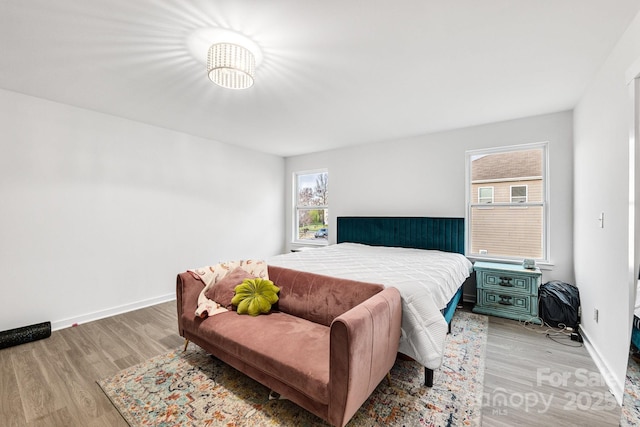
{"x": 231, "y": 66}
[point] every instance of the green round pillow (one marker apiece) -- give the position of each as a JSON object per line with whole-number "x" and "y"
{"x": 255, "y": 296}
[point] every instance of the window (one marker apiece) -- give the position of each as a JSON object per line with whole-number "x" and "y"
{"x": 500, "y": 180}
{"x": 485, "y": 194}
{"x": 518, "y": 194}
{"x": 311, "y": 206}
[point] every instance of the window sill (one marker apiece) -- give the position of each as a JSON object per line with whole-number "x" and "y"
{"x": 318, "y": 242}
{"x": 303, "y": 244}
{"x": 542, "y": 265}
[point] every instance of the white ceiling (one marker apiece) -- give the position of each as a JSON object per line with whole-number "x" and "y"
{"x": 334, "y": 73}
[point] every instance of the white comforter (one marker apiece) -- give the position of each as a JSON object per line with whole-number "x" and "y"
{"x": 426, "y": 279}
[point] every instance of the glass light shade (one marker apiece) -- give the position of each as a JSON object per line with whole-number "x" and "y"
{"x": 231, "y": 66}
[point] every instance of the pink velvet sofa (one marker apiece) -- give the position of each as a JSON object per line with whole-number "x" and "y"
{"x": 326, "y": 348}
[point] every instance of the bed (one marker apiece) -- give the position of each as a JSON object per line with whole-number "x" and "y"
{"x": 421, "y": 256}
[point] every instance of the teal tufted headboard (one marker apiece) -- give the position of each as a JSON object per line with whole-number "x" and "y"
{"x": 445, "y": 234}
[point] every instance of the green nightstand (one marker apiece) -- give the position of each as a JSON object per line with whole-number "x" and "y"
{"x": 507, "y": 290}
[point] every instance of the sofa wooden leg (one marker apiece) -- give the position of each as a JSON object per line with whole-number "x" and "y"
{"x": 428, "y": 377}
{"x": 186, "y": 343}
{"x": 389, "y": 378}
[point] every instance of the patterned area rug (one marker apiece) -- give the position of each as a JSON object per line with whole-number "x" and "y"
{"x": 195, "y": 389}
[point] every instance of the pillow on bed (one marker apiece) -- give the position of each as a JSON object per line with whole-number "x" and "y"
{"x": 255, "y": 296}
{"x": 223, "y": 290}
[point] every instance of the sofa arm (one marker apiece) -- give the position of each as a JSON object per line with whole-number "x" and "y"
{"x": 363, "y": 348}
{"x": 188, "y": 289}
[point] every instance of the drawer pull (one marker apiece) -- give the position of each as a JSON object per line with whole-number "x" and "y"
{"x": 506, "y": 281}
{"x": 505, "y": 300}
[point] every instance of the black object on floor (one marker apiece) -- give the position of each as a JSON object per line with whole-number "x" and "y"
{"x": 559, "y": 304}
{"x": 25, "y": 334}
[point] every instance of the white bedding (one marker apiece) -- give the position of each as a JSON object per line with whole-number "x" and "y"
{"x": 426, "y": 279}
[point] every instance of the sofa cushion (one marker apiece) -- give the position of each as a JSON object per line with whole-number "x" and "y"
{"x": 288, "y": 348}
{"x": 255, "y": 296}
{"x": 317, "y": 297}
{"x": 223, "y": 290}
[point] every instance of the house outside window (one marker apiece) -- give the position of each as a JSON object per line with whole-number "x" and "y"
{"x": 512, "y": 224}
{"x": 311, "y": 206}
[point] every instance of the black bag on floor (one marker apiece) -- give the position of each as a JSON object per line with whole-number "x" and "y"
{"x": 559, "y": 304}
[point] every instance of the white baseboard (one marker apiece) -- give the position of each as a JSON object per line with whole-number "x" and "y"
{"x": 614, "y": 385}
{"x": 96, "y": 315}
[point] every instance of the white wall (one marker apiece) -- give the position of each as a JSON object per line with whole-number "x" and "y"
{"x": 425, "y": 176}
{"x": 98, "y": 214}
{"x": 602, "y": 122}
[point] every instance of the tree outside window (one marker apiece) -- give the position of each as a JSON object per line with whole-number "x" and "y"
{"x": 312, "y": 206}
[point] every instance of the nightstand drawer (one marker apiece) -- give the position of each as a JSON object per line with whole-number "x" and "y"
{"x": 505, "y": 304}
{"x": 506, "y": 280}
{"x": 504, "y": 300}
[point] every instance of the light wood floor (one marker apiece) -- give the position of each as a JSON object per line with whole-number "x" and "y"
{"x": 532, "y": 380}
{"x": 52, "y": 382}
